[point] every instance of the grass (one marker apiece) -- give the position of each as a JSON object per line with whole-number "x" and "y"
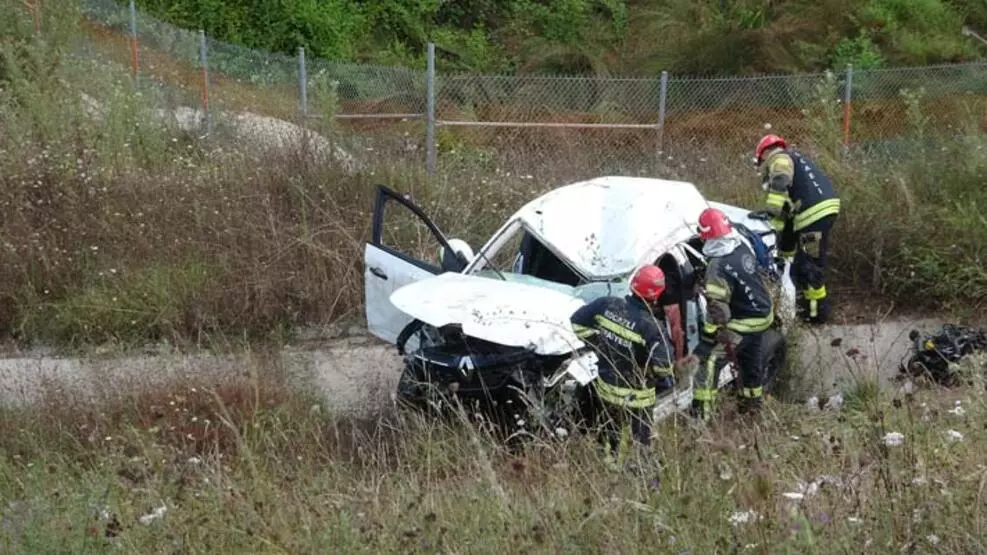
{"x": 255, "y": 465}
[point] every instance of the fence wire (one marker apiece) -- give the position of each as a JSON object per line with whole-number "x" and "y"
{"x": 523, "y": 124}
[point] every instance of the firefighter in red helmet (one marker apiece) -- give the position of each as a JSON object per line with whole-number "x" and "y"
{"x": 802, "y": 205}
{"x": 739, "y": 310}
{"x": 636, "y": 360}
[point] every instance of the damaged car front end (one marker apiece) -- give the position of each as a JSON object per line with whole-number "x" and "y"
{"x": 451, "y": 368}
{"x": 491, "y": 330}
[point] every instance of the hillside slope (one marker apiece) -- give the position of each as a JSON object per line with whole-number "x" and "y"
{"x": 600, "y": 36}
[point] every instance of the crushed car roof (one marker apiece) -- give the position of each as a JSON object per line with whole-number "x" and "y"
{"x": 606, "y": 226}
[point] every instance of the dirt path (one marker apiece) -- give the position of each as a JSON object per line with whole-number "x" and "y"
{"x": 359, "y": 373}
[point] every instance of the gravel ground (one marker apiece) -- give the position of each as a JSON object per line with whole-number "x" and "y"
{"x": 359, "y": 373}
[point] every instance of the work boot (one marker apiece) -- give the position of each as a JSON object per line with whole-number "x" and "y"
{"x": 750, "y": 406}
{"x": 701, "y": 410}
{"x": 822, "y": 311}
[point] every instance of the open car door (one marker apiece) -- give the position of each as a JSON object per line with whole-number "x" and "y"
{"x": 405, "y": 247}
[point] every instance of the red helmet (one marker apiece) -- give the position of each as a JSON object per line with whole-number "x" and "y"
{"x": 713, "y": 224}
{"x": 767, "y": 142}
{"x": 648, "y": 283}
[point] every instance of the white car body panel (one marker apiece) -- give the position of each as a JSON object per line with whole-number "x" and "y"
{"x": 509, "y": 313}
{"x": 384, "y": 319}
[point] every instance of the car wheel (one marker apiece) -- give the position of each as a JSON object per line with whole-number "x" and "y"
{"x": 773, "y": 358}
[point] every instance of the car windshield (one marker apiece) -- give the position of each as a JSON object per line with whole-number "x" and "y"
{"x": 517, "y": 255}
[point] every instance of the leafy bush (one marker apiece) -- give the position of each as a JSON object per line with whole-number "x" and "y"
{"x": 599, "y": 36}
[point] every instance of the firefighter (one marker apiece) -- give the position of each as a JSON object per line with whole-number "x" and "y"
{"x": 739, "y": 310}
{"x": 802, "y": 206}
{"x": 635, "y": 360}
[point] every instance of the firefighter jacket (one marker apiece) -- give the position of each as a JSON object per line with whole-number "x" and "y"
{"x": 632, "y": 346}
{"x": 737, "y": 293}
{"x": 797, "y": 191}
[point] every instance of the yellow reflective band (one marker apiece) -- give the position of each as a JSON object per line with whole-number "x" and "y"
{"x": 815, "y": 294}
{"x": 815, "y": 213}
{"x": 709, "y": 328}
{"x": 776, "y": 200}
{"x": 704, "y": 394}
{"x": 781, "y": 164}
{"x": 787, "y": 254}
{"x": 626, "y": 397}
{"x": 616, "y": 328}
{"x": 751, "y": 325}
{"x": 813, "y": 309}
{"x": 582, "y": 332}
{"x": 777, "y": 224}
{"x": 753, "y": 392}
{"x": 663, "y": 371}
{"x": 717, "y": 292}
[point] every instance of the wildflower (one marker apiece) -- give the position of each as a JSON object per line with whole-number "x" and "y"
{"x": 954, "y": 435}
{"x": 154, "y": 515}
{"x": 893, "y": 438}
{"x": 743, "y": 517}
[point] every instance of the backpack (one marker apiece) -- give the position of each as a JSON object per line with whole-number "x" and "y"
{"x": 757, "y": 244}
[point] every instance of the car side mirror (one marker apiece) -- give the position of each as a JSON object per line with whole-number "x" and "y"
{"x": 458, "y": 258}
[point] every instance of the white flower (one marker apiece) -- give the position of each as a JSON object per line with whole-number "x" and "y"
{"x": 793, "y": 496}
{"x": 153, "y": 515}
{"x": 933, "y": 539}
{"x": 957, "y": 411}
{"x": 743, "y": 517}
{"x": 893, "y": 438}
{"x": 954, "y": 435}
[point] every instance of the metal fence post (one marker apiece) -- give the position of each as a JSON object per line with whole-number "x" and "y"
{"x": 203, "y": 60}
{"x": 430, "y": 111}
{"x": 662, "y": 96}
{"x": 133, "y": 40}
{"x": 35, "y": 8}
{"x": 847, "y": 100}
{"x": 302, "y": 83}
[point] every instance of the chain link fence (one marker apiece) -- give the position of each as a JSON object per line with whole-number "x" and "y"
{"x": 577, "y": 126}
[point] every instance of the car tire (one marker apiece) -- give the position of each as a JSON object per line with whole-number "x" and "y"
{"x": 773, "y": 357}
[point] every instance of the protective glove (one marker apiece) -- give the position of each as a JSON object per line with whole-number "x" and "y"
{"x": 727, "y": 337}
{"x": 762, "y": 215}
{"x": 685, "y": 368}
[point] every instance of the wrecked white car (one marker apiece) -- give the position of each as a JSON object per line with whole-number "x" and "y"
{"x": 494, "y": 326}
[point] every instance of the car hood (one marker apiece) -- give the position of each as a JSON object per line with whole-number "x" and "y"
{"x": 507, "y": 313}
